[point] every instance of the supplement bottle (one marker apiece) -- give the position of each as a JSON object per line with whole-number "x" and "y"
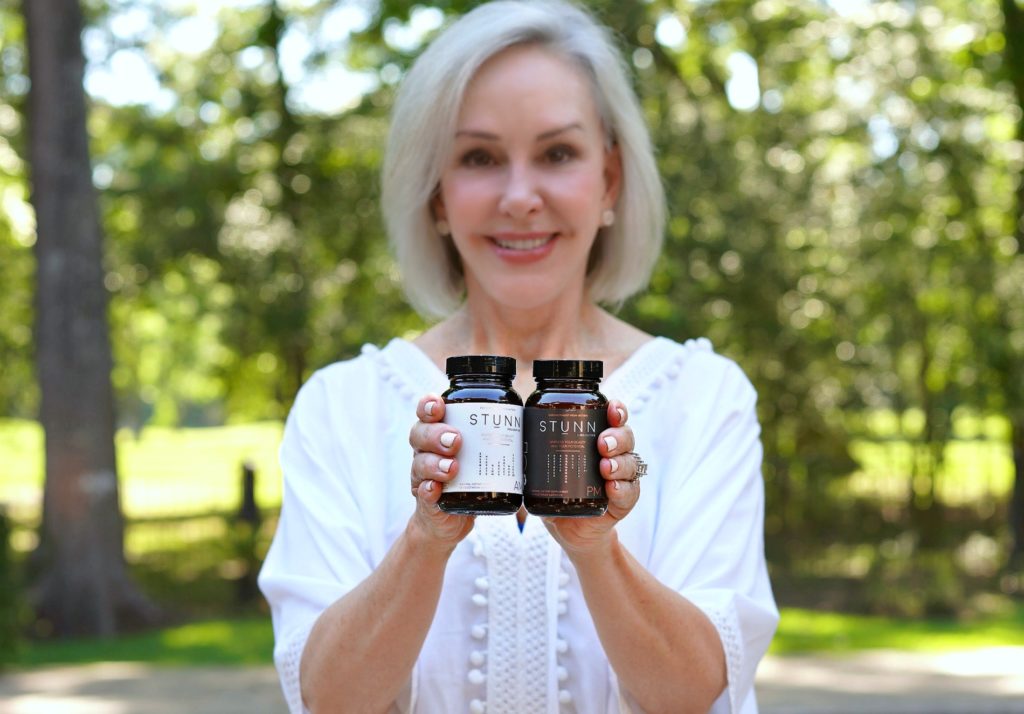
{"x": 563, "y": 419}
{"x": 488, "y": 413}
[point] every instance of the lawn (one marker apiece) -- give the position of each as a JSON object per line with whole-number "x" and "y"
{"x": 211, "y": 642}
{"x": 813, "y": 631}
{"x": 163, "y": 471}
{"x": 250, "y": 641}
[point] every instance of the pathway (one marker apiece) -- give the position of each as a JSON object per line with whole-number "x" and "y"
{"x": 975, "y": 682}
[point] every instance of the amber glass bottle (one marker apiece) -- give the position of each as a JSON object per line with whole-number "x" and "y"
{"x": 488, "y": 413}
{"x": 562, "y": 421}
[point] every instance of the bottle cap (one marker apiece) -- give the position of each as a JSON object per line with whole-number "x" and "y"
{"x": 481, "y": 364}
{"x": 568, "y": 369}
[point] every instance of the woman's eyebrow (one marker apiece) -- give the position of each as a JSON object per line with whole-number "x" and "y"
{"x": 488, "y": 136}
{"x": 555, "y": 132}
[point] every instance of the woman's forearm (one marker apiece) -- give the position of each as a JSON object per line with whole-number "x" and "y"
{"x": 361, "y": 650}
{"x": 664, "y": 650}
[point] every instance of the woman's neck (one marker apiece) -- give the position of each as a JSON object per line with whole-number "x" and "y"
{"x": 562, "y": 330}
{"x": 551, "y": 332}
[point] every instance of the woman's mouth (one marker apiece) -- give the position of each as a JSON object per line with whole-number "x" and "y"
{"x": 523, "y": 242}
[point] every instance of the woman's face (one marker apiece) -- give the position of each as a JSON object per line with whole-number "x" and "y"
{"x": 528, "y": 179}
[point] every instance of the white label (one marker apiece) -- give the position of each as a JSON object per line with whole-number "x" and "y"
{"x": 491, "y": 457}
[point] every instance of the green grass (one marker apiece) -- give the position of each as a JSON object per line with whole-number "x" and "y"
{"x": 164, "y": 471}
{"x": 250, "y": 641}
{"x": 812, "y": 631}
{"x": 212, "y": 642}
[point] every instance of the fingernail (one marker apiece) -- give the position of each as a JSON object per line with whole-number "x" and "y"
{"x": 610, "y": 442}
{"x": 429, "y": 408}
{"x": 448, "y": 438}
{"x": 622, "y": 414}
{"x": 614, "y": 465}
{"x": 444, "y": 464}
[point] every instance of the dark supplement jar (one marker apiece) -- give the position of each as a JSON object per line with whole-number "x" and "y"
{"x": 563, "y": 419}
{"x": 482, "y": 405}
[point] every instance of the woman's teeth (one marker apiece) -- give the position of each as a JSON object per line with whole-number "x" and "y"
{"x": 523, "y": 244}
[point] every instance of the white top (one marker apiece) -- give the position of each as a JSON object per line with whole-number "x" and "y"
{"x": 512, "y": 633}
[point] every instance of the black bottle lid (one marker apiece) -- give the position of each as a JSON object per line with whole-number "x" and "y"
{"x": 568, "y": 369}
{"x": 481, "y": 364}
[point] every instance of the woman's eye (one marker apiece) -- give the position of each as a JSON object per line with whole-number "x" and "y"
{"x": 560, "y": 154}
{"x": 476, "y": 157}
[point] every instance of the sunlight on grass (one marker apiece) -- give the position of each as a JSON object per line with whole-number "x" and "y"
{"x": 164, "y": 471}
{"x": 213, "y": 642}
{"x": 250, "y": 641}
{"x": 811, "y": 631}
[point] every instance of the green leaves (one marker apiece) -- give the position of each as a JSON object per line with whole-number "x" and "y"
{"x": 852, "y": 236}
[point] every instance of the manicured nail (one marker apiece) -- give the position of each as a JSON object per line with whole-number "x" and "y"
{"x": 429, "y": 408}
{"x": 614, "y": 465}
{"x": 611, "y": 443}
{"x": 622, "y": 414}
{"x": 447, "y": 438}
{"x": 430, "y": 486}
{"x": 444, "y": 464}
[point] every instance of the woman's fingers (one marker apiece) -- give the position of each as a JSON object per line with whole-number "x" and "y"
{"x": 615, "y": 445}
{"x": 438, "y": 438}
{"x": 615, "y": 441}
{"x": 429, "y": 492}
{"x": 427, "y": 466}
{"x": 430, "y": 409}
{"x": 617, "y": 414}
{"x": 619, "y": 465}
{"x": 622, "y": 497}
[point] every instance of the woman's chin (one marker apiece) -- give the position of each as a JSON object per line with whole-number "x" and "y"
{"x": 525, "y": 293}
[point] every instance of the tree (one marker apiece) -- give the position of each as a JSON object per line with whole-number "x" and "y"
{"x": 83, "y": 585}
{"x": 1008, "y": 364}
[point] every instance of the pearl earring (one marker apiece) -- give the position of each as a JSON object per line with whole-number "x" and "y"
{"x": 442, "y": 227}
{"x": 608, "y": 217}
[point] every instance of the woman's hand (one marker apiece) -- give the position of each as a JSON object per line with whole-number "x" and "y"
{"x": 582, "y": 536}
{"x": 435, "y": 446}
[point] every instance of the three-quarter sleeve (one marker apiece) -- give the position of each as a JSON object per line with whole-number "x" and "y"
{"x": 320, "y": 550}
{"x": 708, "y": 543}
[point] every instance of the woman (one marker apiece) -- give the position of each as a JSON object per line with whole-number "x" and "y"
{"x": 520, "y": 191}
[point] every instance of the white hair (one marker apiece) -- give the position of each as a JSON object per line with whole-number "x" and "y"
{"x": 423, "y": 126}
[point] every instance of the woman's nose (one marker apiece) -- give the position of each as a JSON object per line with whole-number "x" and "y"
{"x": 520, "y": 197}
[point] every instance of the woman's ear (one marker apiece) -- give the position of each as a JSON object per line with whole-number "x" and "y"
{"x": 437, "y": 209}
{"x": 612, "y": 175}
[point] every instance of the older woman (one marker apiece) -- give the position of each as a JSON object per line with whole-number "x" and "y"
{"x": 520, "y": 192}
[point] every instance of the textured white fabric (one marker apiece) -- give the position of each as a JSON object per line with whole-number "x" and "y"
{"x": 512, "y": 632}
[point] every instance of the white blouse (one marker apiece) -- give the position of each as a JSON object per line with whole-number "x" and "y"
{"x": 512, "y": 633}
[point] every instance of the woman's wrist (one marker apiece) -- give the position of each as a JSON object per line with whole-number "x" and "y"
{"x": 595, "y": 553}
{"x": 424, "y": 545}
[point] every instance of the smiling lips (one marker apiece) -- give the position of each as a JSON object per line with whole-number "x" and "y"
{"x": 522, "y": 242}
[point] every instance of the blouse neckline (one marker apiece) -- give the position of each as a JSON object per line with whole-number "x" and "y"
{"x": 422, "y": 369}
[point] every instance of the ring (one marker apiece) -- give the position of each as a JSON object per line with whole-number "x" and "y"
{"x": 641, "y": 466}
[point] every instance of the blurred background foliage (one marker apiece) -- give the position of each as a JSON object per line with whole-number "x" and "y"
{"x": 844, "y": 182}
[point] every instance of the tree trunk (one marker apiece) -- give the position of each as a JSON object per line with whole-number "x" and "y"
{"x": 1013, "y": 31}
{"x": 1016, "y": 559}
{"x": 83, "y": 586}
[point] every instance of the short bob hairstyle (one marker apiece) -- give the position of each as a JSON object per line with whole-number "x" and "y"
{"x": 423, "y": 127}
